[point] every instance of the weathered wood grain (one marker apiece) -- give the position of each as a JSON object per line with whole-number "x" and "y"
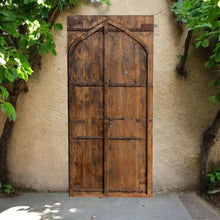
{"x": 110, "y": 86}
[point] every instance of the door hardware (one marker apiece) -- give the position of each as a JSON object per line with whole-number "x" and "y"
{"x": 111, "y": 119}
{"x": 110, "y": 124}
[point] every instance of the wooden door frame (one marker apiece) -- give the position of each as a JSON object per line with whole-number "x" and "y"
{"x": 99, "y": 25}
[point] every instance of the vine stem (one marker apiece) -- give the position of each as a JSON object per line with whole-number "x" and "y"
{"x": 181, "y": 67}
{"x": 6, "y": 134}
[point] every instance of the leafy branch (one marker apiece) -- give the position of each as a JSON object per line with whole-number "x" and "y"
{"x": 202, "y": 19}
{"x": 25, "y": 33}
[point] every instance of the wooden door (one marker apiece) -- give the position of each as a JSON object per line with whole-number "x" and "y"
{"x": 110, "y": 105}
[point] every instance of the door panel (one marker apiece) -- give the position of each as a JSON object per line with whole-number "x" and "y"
{"x": 86, "y": 111}
{"x": 88, "y": 165}
{"x": 86, "y": 64}
{"x": 127, "y": 169}
{"x": 126, "y": 60}
{"x": 110, "y": 105}
{"x": 128, "y": 103}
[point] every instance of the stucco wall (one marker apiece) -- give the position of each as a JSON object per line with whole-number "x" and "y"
{"x": 38, "y": 152}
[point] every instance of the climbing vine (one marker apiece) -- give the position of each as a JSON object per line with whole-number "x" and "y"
{"x": 202, "y": 20}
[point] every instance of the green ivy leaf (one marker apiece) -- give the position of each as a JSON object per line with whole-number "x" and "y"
{"x": 211, "y": 84}
{"x": 8, "y": 75}
{"x": 205, "y": 43}
{"x": 58, "y": 26}
{"x": 205, "y": 25}
{"x": 211, "y": 178}
{"x": 214, "y": 99}
{"x": 2, "y": 41}
{"x": 3, "y": 93}
{"x": 217, "y": 57}
{"x": 198, "y": 44}
{"x": 9, "y": 110}
{"x": 107, "y": 2}
{"x": 60, "y": 6}
{"x": 209, "y": 64}
{"x": 7, "y": 15}
{"x": 7, "y": 190}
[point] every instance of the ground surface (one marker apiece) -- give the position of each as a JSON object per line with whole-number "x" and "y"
{"x": 173, "y": 206}
{"x": 214, "y": 199}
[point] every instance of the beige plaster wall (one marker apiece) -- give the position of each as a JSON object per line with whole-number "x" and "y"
{"x": 38, "y": 152}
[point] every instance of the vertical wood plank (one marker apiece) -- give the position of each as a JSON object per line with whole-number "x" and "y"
{"x": 150, "y": 122}
{"x": 106, "y": 159}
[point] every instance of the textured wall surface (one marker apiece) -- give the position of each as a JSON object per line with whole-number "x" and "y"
{"x": 38, "y": 151}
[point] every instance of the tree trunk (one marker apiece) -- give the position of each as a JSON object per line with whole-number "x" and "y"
{"x": 6, "y": 134}
{"x": 209, "y": 139}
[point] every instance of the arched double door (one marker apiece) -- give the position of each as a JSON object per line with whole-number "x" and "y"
{"x": 110, "y": 105}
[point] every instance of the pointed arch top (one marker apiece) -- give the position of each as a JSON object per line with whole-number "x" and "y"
{"x": 101, "y": 25}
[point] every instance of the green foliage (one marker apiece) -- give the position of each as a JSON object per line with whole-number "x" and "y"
{"x": 107, "y": 2}
{"x": 202, "y": 16}
{"x": 214, "y": 179}
{"x": 7, "y": 188}
{"x": 9, "y": 109}
{"x": 24, "y": 33}
{"x": 58, "y": 26}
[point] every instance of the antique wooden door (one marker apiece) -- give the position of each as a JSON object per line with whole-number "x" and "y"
{"x": 110, "y": 105}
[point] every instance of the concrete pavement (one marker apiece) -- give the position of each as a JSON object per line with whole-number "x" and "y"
{"x": 46, "y": 206}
